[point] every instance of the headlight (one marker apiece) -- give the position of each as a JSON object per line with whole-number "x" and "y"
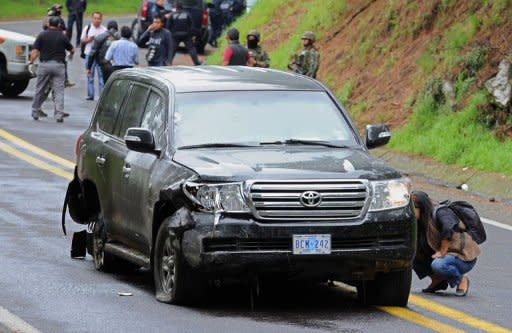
{"x": 390, "y": 194}
{"x": 217, "y": 197}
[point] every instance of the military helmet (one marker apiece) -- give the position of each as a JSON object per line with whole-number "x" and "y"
{"x": 254, "y": 33}
{"x": 309, "y": 35}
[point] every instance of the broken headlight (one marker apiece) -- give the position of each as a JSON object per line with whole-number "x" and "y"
{"x": 390, "y": 194}
{"x": 217, "y": 197}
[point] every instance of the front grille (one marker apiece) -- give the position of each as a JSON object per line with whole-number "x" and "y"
{"x": 281, "y": 200}
{"x": 285, "y": 244}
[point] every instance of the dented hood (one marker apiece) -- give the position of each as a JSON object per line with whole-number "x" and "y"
{"x": 230, "y": 164}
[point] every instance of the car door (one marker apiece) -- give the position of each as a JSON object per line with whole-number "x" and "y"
{"x": 130, "y": 116}
{"x": 136, "y": 185}
{"x": 97, "y": 156}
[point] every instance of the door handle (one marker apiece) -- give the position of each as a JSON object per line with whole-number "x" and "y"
{"x": 100, "y": 160}
{"x": 126, "y": 170}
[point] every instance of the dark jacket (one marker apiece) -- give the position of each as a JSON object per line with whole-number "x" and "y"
{"x": 76, "y": 6}
{"x": 180, "y": 24}
{"x": 239, "y": 54}
{"x": 446, "y": 225}
{"x": 100, "y": 46}
{"x": 160, "y": 46}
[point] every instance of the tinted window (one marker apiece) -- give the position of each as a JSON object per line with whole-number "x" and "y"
{"x": 258, "y": 116}
{"x": 154, "y": 118}
{"x": 133, "y": 109}
{"x": 110, "y": 104}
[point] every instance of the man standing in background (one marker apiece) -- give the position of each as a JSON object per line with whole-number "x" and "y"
{"x": 236, "y": 54}
{"x": 99, "y": 49}
{"x": 123, "y": 53}
{"x": 308, "y": 60}
{"x": 259, "y": 55}
{"x": 76, "y": 9}
{"x": 180, "y": 25}
{"x": 159, "y": 42}
{"x": 88, "y": 35}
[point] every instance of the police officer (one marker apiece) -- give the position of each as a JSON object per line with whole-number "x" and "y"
{"x": 159, "y": 42}
{"x": 99, "y": 50}
{"x": 50, "y": 46}
{"x": 259, "y": 55}
{"x": 76, "y": 9}
{"x": 308, "y": 60}
{"x": 180, "y": 24}
{"x": 235, "y": 54}
{"x": 216, "y": 22}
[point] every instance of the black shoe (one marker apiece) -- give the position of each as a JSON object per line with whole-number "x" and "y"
{"x": 64, "y": 114}
{"x": 42, "y": 114}
{"x": 59, "y": 120}
{"x": 35, "y": 116}
{"x": 443, "y": 285}
{"x": 462, "y": 292}
{"x": 89, "y": 98}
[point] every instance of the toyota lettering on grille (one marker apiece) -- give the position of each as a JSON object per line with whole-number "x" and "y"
{"x": 311, "y": 199}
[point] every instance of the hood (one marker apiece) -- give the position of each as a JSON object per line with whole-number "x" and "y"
{"x": 284, "y": 163}
{"x": 16, "y": 37}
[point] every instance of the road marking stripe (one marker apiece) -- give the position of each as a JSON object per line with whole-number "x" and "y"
{"x": 41, "y": 152}
{"x": 497, "y": 224}
{"x": 419, "y": 319}
{"x": 14, "y": 324}
{"x": 36, "y": 162}
{"x": 456, "y": 315}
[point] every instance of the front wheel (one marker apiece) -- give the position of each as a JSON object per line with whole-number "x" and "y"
{"x": 391, "y": 289}
{"x": 102, "y": 261}
{"x": 175, "y": 281}
{"x": 12, "y": 88}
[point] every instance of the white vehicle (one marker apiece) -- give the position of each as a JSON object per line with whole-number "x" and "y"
{"x": 14, "y": 58}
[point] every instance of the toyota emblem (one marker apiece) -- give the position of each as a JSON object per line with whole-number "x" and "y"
{"x": 310, "y": 199}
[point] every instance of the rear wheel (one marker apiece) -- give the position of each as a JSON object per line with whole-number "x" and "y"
{"x": 12, "y": 88}
{"x": 102, "y": 261}
{"x": 175, "y": 281}
{"x": 390, "y": 289}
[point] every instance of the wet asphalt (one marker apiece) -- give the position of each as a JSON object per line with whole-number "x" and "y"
{"x": 42, "y": 285}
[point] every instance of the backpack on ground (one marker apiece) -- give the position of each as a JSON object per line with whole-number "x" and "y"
{"x": 468, "y": 215}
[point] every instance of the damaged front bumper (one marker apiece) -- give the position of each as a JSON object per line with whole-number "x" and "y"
{"x": 382, "y": 242}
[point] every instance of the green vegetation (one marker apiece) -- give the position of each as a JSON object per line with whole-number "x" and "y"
{"x": 13, "y": 9}
{"x": 454, "y": 137}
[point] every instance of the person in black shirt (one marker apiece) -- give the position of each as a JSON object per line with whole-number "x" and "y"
{"x": 159, "y": 43}
{"x": 50, "y": 46}
{"x": 180, "y": 24}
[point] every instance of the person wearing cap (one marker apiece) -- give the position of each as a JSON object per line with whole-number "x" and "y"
{"x": 307, "y": 61}
{"x": 259, "y": 55}
{"x": 236, "y": 54}
{"x": 50, "y": 47}
{"x": 76, "y": 9}
{"x": 99, "y": 49}
{"x": 123, "y": 53}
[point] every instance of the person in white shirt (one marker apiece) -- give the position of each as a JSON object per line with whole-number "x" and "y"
{"x": 88, "y": 34}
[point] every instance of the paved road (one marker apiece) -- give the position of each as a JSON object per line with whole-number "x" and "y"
{"x": 42, "y": 289}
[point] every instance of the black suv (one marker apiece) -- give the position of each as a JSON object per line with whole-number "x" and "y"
{"x": 197, "y": 8}
{"x": 213, "y": 172}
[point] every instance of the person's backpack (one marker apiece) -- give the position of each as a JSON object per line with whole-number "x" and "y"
{"x": 468, "y": 215}
{"x": 82, "y": 46}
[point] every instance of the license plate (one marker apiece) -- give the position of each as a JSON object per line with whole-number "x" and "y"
{"x": 311, "y": 244}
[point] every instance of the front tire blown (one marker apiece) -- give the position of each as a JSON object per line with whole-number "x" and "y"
{"x": 175, "y": 281}
{"x": 390, "y": 289}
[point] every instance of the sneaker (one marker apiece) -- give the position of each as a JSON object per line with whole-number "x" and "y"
{"x": 69, "y": 84}
{"x": 89, "y": 98}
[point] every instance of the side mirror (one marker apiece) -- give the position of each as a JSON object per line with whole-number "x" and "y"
{"x": 377, "y": 135}
{"x": 140, "y": 139}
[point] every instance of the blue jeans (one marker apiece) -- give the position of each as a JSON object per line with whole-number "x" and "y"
{"x": 90, "y": 81}
{"x": 452, "y": 268}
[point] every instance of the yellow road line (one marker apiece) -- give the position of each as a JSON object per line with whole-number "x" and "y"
{"x": 41, "y": 152}
{"x": 36, "y": 162}
{"x": 419, "y": 319}
{"x": 456, "y": 315}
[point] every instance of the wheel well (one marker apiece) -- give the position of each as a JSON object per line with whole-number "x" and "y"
{"x": 161, "y": 211}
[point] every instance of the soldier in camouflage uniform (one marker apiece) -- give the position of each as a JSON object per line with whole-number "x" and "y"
{"x": 308, "y": 60}
{"x": 259, "y": 55}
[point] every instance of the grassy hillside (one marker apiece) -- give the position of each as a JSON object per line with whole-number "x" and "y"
{"x": 13, "y": 9}
{"x": 386, "y": 61}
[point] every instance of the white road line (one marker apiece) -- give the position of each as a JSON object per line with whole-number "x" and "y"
{"x": 497, "y": 224}
{"x": 14, "y": 323}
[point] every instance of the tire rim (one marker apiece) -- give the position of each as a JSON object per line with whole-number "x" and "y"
{"x": 167, "y": 267}
{"x": 99, "y": 255}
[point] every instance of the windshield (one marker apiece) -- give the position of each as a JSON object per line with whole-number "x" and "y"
{"x": 258, "y": 117}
